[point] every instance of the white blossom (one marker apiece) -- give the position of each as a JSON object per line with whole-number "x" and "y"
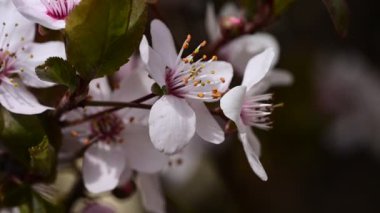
{"x": 51, "y": 14}
{"x": 119, "y": 140}
{"x": 19, "y": 56}
{"x": 246, "y": 109}
{"x": 180, "y": 112}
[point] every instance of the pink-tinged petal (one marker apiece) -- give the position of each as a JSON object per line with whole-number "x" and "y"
{"x": 99, "y": 89}
{"x": 213, "y": 82}
{"x": 206, "y": 126}
{"x": 103, "y": 165}
{"x": 254, "y": 161}
{"x": 257, "y": 68}
{"x": 36, "y": 11}
{"x": 171, "y": 124}
{"x": 241, "y": 50}
{"x": 35, "y": 54}
{"x": 163, "y": 43}
{"x": 212, "y": 24}
{"x": 150, "y": 190}
{"x": 19, "y": 100}
{"x": 153, "y": 61}
{"x": 232, "y": 102}
{"x": 140, "y": 152}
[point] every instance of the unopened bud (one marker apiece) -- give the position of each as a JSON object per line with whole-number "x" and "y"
{"x": 232, "y": 26}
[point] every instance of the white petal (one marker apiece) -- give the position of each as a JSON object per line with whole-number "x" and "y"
{"x": 171, "y": 124}
{"x": 223, "y": 74}
{"x": 163, "y": 43}
{"x": 276, "y": 77}
{"x": 257, "y": 68}
{"x": 39, "y": 52}
{"x": 135, "y": 84}
{"x": 279, "y": 77}
{"x": 212, "y": 25}
{"x": 232, "y": 102}
{"x": 35, "y": 11}
{"x": 151, "y": 193}
{"x": 153, "y": 61}
{"x": 17, "y": 35}
{"x": 207, "y": 127}
{"x": 140, "y": 152}
{"x": 125, "y": 176}
{"x": 230, "y": 9}
{"x": 19, "y": 100}
{"x": 219, "y": 74}
{"x": 99, "y": 89}
{"x": 102, "y": 167}
{"x": 254, "y": 161}
{"x": 241, "y": 50}
{"x": 249, "y": 136}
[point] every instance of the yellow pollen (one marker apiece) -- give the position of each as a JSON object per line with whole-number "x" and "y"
{"x": 201, "y": 95}
{"x": 208, "y": 82}
{"x": 196, "y": 83}
{"x": 214, "y": 58}
{"x": 222, "y": 79}
{"x": 185, "y": 80}
{"x": 216, "y": 94}
{"x": 86, "y": 141}
{"x": 203, "y": 84}
{"x": 74, "y": 133}
{"x": 203, "y": 43}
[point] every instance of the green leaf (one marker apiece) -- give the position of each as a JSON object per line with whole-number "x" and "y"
{"x": 281, "y": 5}
{"x": 13, "y": 194}
{"x": 339, "y": 14}
{"x": 20, "y": 132}
{"x": 42, "y": 158}
{"x": 38, "y": 204}
{"x": 250, "y": 7}
{"x": 102, "y": 35}
{"x": 58, "y": 70}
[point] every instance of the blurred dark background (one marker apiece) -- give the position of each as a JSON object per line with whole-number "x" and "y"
{"x": 305, "y": 173}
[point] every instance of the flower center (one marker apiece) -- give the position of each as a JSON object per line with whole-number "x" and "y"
{"x": 256, "y": 111}
{"x": 59, "y": 9}
{"x": 191, "y": 78}
{"x": 10, "y": 49}
{"x": 107, "y": 128}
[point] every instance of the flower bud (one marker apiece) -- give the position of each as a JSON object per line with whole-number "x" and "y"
{"x": 232, "y": 26}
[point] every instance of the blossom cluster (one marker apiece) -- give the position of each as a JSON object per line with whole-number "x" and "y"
{"x": 154, "y": 105}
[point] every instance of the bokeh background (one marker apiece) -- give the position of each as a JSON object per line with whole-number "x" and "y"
{"x": 322, "y": 154}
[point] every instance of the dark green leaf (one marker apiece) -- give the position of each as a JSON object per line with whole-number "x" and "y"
{"x": 42, "y": 158}
{"x": 59, "y": 71}
{"x": 101, "y": 35}
{"x": 281, "y": 5}
{"x": 250, "y": 7}
{"x": 21, "y": 132}
{"x": 13, "y": 194}
{"x": 339, "y": 13}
